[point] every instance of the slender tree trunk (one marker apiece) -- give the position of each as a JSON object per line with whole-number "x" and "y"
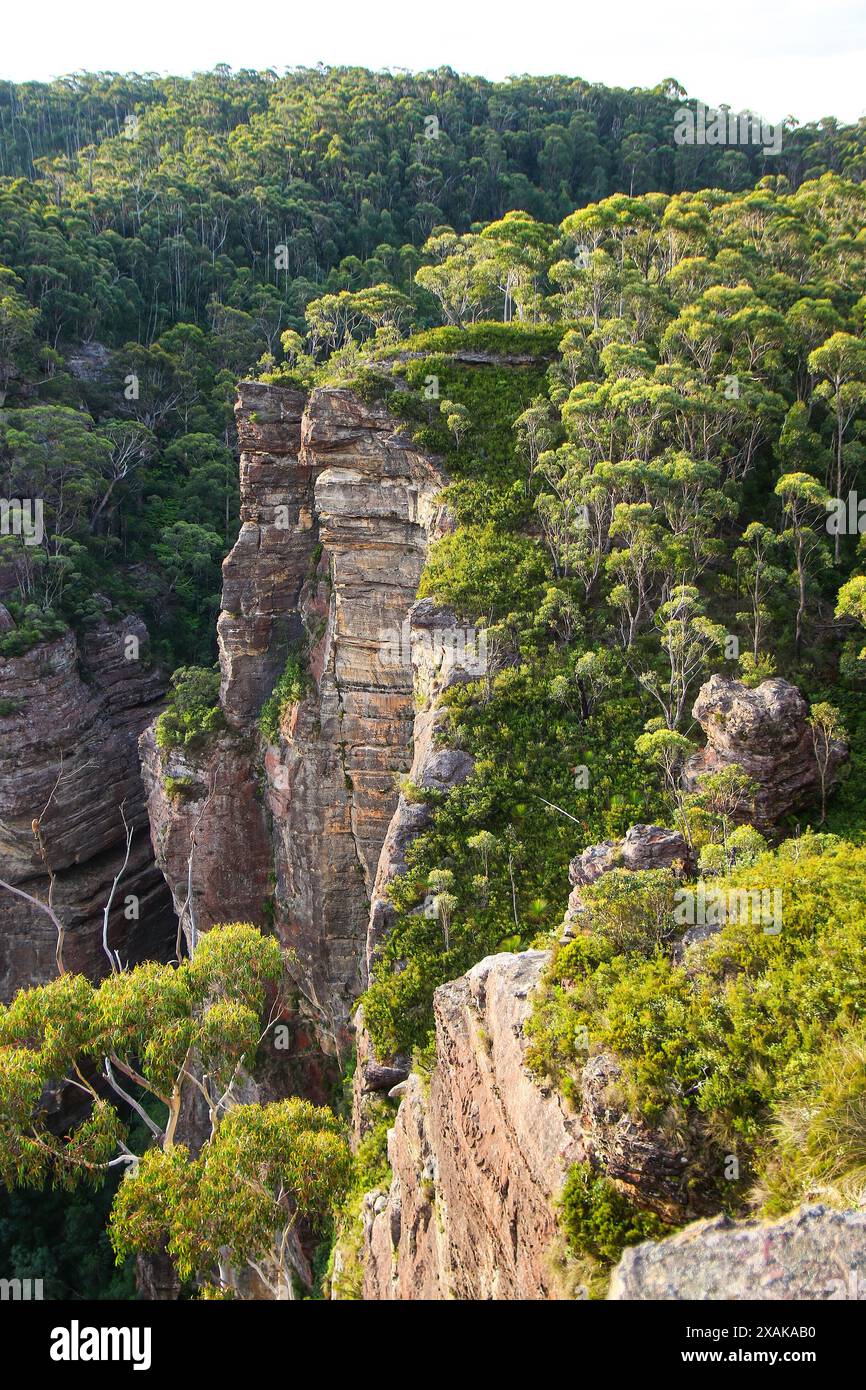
{"x": 801, "y": 579}
{"x": 837, "y": 542}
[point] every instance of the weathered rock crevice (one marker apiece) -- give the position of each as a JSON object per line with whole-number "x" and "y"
{"x": 68, "y": 758}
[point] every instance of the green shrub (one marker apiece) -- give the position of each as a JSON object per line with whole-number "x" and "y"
{"x": 32, "y": 626}
{"x": 176, "y": 788}
{"x": 287, "y": 691}
{"x": 193, "y": 714}
{"x": 598, "y": 1220}
{"x": 508, "y": 339}
{"x": 633, "y": 909}
{"x": 370, "y": 1171}
{"x": 734, "y": 1035}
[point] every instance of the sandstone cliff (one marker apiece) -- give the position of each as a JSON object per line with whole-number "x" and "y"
{"x": 480, "y": 1154}
{"x": 307, "y": 829}
{"x": 435, "y": 767}
{"x": 338, "y": 509}
{"x": 74, "y": 710}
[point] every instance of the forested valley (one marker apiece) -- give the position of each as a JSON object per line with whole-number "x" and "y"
{"x": 640, "y": 365}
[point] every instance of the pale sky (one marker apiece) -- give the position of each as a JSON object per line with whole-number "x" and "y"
{"x": 776, "y": 57}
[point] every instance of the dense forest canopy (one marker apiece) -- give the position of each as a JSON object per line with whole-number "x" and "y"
{"x": 177, "y": 228}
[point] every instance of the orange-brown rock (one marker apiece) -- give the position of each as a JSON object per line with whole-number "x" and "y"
{"x": 435, "y": 767}
{"x": 215, "y": 819}
{"x": 478, "y": 1161}
{"x": 765, "y": 732}
{"x": 479, "y": 1157}
{"x": 338, "y": 508}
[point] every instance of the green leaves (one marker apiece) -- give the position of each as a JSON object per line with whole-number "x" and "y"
{"x": 166, "y": 1032}
{"x": 598, "y": 1220}
{"x": 851, "y": 600}
{"x": 743, "y": 1028}
{"x": 841, "y": 360}
{"x": 235, "y": 961}
{"x": 193, "y": 713}
{"x": 288, "y": 690}
{"x": 633, "y": 909}
{"x": 800, "y": 492}
{"x": 265, "y": 1167}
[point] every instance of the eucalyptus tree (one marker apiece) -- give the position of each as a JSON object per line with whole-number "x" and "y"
{"x": 147, "y": 1042}
{"x": 635, "y": 566}
{"x": 840, "y": 363}
{"x": 804, "y": 502}
{"x": 689, "y": 642}
{"x": 759, "y": 577}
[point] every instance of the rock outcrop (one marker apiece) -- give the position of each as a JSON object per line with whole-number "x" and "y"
{"x": 478, "y": 1159}
{"x": 765, "y": 731}
{"x": 643, "y": 847}
{"x": 436, "y": 666}
{"x": 71, "y": 715}
{"x": 333, "y": 775}
{"x": 338, "y": 509}
{"x": 206, "y": 810}
{"x": 271, "y": 558}
{"x": 812, "y": 1254}
{"x": 479, "y": 1155}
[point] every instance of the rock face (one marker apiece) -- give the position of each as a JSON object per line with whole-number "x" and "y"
{"x": 812, "y": 1254}
{"x": 480, "y": 1156}
{"x": 338, "y": 509}
{"x": 68, "y": 757}
{"x": 218, "y": 821}
{"x": 643, "y": 847}
{"x": 764, "y": 731}
{"x": 332, "y": 778}
{"x": 263, "y": 575}
{"x": 436, "y": 666}
{"x": 478, "y": 1162}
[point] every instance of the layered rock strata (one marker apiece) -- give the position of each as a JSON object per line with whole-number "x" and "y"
{"x": 438, "y": 663}
{"x": 479, "y": 1154}
{"x": 71, "y": 712}
{"x": 338, "y": 510}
